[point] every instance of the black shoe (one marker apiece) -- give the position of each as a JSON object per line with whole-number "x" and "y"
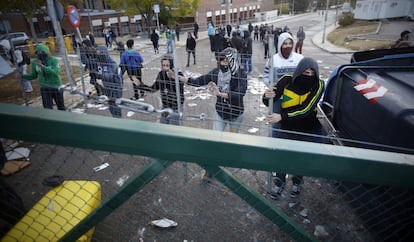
{"x": 187, "y": 65}
{"x": 276, "y": 193}
{"x": 295, "y": 191}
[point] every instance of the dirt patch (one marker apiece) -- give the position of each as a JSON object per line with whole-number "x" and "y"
{"x": 352, "y": 36}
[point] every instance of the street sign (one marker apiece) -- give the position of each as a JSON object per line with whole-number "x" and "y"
{"x": 73, "y": 16}
{"x": 156, "y": 8}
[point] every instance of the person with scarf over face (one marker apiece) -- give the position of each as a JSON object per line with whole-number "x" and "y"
{"x": 46, "y": 69}
{"x": 300, "y": 94}
{"x": 284, "y": 62}
{"x": 229, "y": 83}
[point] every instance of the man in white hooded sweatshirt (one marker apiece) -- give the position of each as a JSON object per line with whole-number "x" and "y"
{"x": 284, "y": 62}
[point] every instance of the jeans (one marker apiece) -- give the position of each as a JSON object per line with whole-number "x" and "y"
{"x": 247, "y": 62}
{"x": 220, "y": 124}
{"x": 52, "y": 93}
{"x": 169, "y": 46}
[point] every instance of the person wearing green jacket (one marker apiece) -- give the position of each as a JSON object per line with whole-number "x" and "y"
{"x": 46, "y": 69}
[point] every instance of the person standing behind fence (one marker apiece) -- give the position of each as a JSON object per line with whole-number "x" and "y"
{"x": 165, "y": 83}
{"x": 300, "y": 35}
{"x": 229, "y": 83}
{"x": 111, "y": 79}
{"x": 210, "y": 33}
{"x": 301, "y": 93}
{"x": 228, "y": 29}
{"x": 191, "y": 48}
{"x": 247, "y": 53}
{"x": 107, "y": 36}
{"x": 131, "y": 62}
{"x": 46, "y": 69}
{"x": 155, "y": 38}
{"x": 22, "y": 60}
{"x": 177, "y": 31}
{"x": 88, "y": 57}
{"x": 112, "y": 37}
{"x": 266, "y": 44}
{"x": 218, "y": 43}
{"x": 170, "y": 38}
{"x": 196, "y": 28}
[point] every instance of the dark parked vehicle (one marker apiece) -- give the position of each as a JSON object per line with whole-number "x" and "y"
{"x": 370, "y": 102}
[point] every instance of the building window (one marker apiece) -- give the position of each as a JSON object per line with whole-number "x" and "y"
{"x": 125, "y": 28}
{"x": 89, "y": 4}
{"x": 225, "y": 1}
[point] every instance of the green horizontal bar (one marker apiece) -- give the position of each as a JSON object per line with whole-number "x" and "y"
{"x": 206, "y": 147}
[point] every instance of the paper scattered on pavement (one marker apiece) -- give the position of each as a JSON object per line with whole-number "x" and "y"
{"x": 164, "y": 223}
{"x": 192, "y": 104}
{"x": 130, "y": 114}
{"x": 101, "y": 167}
{"x": 253, "y": 130}
{"x": 260, "y": 119}
{"x": 18, "y": 153}
{"x": 120, "y": 182}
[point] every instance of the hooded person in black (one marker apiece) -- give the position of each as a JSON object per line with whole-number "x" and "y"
{"x": 165, "y": 83}
{"x": 301, "y": 93}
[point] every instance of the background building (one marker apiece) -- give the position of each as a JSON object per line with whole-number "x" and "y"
{"x": 96, "y": 15}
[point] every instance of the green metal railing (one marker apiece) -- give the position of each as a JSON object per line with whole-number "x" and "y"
{"x": 195, "y": 145}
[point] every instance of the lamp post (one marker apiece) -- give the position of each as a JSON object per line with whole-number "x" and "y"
{"x": 324, "y": 23}
{"x": 89, "y": 16}
{"x": 156, "y": 11}
{"x": 228, "y": 12}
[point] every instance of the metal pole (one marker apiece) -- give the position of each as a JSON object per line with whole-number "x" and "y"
{"x": 270, "y": 107}
{"x": 228, "y": 12}
{"x": 89, "y": 16}
{"x": 280, "y": 7}
{"x": 324, "y": 22}
{"x": 58, "y": 31}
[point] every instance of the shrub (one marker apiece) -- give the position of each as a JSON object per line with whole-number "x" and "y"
{"x": 346, "y": 19}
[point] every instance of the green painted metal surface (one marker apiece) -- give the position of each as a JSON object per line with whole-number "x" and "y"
{"x": 195, "y": 145}
{"x": 128, "y": 190}
{"x": 262, "y": 205}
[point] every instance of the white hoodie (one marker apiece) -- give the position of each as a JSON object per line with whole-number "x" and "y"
{"x": 281, "y": 65}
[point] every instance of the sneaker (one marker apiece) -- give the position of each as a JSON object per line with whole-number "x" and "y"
{"x": 295, "y": 191}
{"x": 276, "y": 193}
{"x": 134, "y": 98}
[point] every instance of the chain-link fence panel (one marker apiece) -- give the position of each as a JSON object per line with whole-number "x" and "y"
{"x": 198, "y": 208}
